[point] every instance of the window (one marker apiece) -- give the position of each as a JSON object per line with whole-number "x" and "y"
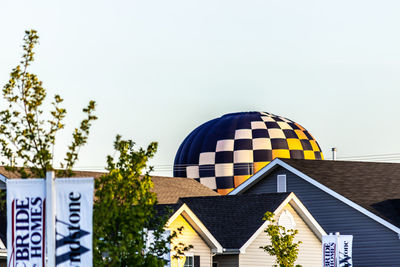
{"x": 189, "y": 262}
{"x": 281, "y": 183}
{"x": 286, "y": 220}
{"x": 215, "y": 264}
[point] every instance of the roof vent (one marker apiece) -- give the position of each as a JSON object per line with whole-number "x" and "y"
{"x": 334, "y": 153}
{"x": 281, "y": 183}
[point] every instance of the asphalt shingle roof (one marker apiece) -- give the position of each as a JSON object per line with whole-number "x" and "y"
{"x": 232, "y": 220}
{"x": 168, "y": 189}
{"x": 373, "y": 185}
{"x": 15, "y": 175}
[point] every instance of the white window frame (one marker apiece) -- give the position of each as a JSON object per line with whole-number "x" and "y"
{"x": 281, "y": 183}
{"x": 189, "y": 255}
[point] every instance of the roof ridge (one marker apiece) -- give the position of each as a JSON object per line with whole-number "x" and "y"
{"x": 239, "y": 196}
{"x": 340, "y": 161}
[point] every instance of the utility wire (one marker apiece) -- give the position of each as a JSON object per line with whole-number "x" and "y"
{"x": 243, "y": 166}
{"x": 370, "y": 156}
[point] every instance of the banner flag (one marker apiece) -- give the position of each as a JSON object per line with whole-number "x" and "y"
{"x": 345, "y": 250}
{"x": 337, "y": 250}
{"x": 329, "y": 250}
{"x": 26, "y": 208}
{"x": 74, "y": 217}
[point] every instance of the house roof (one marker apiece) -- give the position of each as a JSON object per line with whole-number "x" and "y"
{"x": 232, "y": 220}
{"x": 373, "y": 185}
{"x": 14, "y": 175}
{"x": 168, "y": 189}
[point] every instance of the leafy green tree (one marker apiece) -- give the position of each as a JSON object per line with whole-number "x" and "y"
{"x": 282, "y": 246}
{"x": 27, "y": 132}
{"x": 125, "y": 214}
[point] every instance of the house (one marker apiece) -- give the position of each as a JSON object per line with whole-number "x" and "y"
{"x": 355, "y": 198}
{"x": 229, "y": 230}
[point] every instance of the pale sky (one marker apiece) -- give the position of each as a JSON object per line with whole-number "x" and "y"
{"x": 158, "y": 69}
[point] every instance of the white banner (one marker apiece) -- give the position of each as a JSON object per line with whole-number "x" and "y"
{"x": 74, "y": 216}
{"x": 26, "y": 222}
{"x": 337, "y": 250}
{"x": 330, "y": 251}
{"x": 345, "y": 250}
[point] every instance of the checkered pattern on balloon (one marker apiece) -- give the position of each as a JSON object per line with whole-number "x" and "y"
{"x": 225, "y": 152}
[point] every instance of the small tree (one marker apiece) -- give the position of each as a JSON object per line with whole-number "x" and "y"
{"x": 283, "y": 246}
{"x": 27, "y": 133}
{"x": 124, "y": 212}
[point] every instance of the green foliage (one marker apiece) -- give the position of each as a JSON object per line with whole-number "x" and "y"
{"x": 27, "y": 133}
{"x": 124, "y": 211}
{"x": 282, "y": 245}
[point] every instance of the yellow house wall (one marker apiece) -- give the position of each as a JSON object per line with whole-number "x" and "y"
{"x": 190, "y": 237}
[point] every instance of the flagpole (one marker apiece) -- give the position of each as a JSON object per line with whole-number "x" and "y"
{"x": 50, "y": 219}
{"x": 338, "y": 248}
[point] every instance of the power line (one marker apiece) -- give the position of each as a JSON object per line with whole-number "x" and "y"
{"x": 370, "y": 156}
{"x": 245, "y": 166}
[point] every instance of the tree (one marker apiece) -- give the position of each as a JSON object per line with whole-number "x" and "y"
{"x": 27, "y": 132}
{"x": 283, "y": 246}
{"x": 125, "y": 214}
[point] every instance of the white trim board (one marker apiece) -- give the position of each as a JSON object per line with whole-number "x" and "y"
{"x": 3, "y": 182}
{"x": 300, "y": 209}
{"x": 198, "y": 226}
{"x": 255, "y": 178}
{"x": 277, "y": 162}
{"x": 3, "y": 178}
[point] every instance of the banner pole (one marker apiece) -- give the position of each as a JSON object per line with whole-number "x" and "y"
{"x": 338, "y": 248}
{"x": 50, "y": 219}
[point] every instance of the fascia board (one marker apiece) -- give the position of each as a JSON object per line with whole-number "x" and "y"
{"x": 303, "y": 212}
{"x": 246, "y": 185}
{"x": 198, "y": 226}
{"x": 256, "y": 177}
{"x": 2, "y": 247}
{"x": 3, "y": 181}
{"x": 340, "y": 197}
{"x": 253, "y": 237}
{"x": 307, "y": 217}
{"x": 264, "y": 225}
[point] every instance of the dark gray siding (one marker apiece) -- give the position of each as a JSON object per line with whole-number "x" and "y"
{"x": 227, "y": 260}
{"x": 373, "y": 245}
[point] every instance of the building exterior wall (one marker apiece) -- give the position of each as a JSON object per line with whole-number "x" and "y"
{"x": 373, "y": 244}
{"x": 310, "y": 253}
{"x": 190, "y": 237}
{"x": 227, "y": 260}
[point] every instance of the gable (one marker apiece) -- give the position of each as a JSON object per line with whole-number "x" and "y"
{"x": 234, "y": 219}
{"x": 310, "y": 253}
{"x": 366, "y": 210}
{"x": 375, "y": 244}
{"x": 372, "y": 185}
{"x": 189, "y": 237}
